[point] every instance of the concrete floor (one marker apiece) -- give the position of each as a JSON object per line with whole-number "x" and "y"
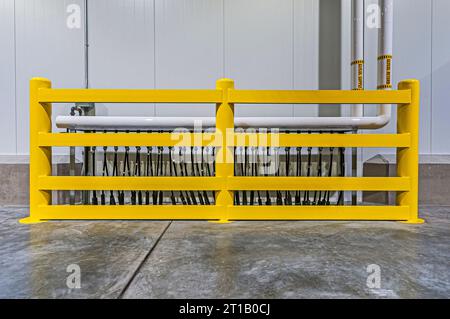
{"x": 238, "y": 260}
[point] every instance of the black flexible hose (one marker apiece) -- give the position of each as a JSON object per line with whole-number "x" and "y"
{"x": 252, "y": 173}
{"x": 208, "y": 171}
{"x": 172, "y": 194}
{"x": 298, "y": 197}
{"x": 104, "y": 173}
{"x": 318, "y": 194}
{"x": 330, "y": 171}
{"x": 175, "y": 172}
{"x": 287, "y": 197}
{"x": 138, "y": 172}
{"x": 126, "y": 169}
{"x": 194, "y": 172}
{"x": 244, "y": 173}
{"x": 257, "y": 174}
{"x": 306, "y": 200}
{"x": 94, "y": 192}
{"x": 235, "y": 166}
{"x": 277, "y": 173}
{"x": 188, "y": 199}
{"x": 191, "y": 192}
{"x": 266, "y": 173}
{"x": 161, "y": 173}
{"x": 340, "y": 200}
{"x": 148, "y": 172}
{"x": 203, "y": 173}
{"x": 112, "y": 200}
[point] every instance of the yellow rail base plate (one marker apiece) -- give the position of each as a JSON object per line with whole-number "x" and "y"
{"x": 418, "y": 221}
{"x": 30, "y": 221}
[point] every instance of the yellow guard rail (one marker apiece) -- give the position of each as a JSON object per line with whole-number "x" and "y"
{"x": 224, "y": 183}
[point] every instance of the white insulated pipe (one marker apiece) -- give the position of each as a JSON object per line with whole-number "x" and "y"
{"x": 357, "y": 62}
{"x": 122, "y": 123}
{"x": 385, "y": 41}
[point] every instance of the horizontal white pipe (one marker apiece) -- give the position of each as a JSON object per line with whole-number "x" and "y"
{"x": 122, "y": 123}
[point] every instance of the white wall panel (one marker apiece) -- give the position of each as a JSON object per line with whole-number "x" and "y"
{"x": 189, "y": 50}
{"x": 440, "y": 117}
{"x": 412, "y": 56}
{"x": 121, "y": 55}
{"x": 259, "y": 50}
{"x": 45, "y": 47}
{"x": 7, "y": 79}
{"x": 306, "y": 51}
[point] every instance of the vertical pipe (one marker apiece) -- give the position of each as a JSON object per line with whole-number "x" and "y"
{"x": 225, "y": 158}
{"x": 87, "y": 110}
{"x": 408, "y": 157}
{"x": 86, "y": 45}
{"x": 40, "y": 157}
{"x": 357, "y": 61}
{"x": 72, "y": 170}
{"x": 72, "y": 151}
{"x": 385, "y": 36}
{"x": 357, "y": 75}
{"x": 356, "y": 168}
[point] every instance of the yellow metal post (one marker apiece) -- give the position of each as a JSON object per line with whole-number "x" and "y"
{"x": 40, "y": 157}
{"x": 224, "y": 157}
{"x": 408, "y": 157}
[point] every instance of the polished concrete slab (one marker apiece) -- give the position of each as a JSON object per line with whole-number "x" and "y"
{"x": 237, "y": 260}
{"x": 34, "y": 258}
{"x": 299, "y": 260}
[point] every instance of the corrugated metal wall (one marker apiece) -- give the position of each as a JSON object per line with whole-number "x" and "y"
{"x": 191, "y": 43}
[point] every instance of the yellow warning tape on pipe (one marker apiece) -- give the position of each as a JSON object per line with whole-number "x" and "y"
{"x": 388, "y": 84}
{"x": 357, "y": 62}
{"x": 360, "y": 66}
{"x": 385, "y": 57}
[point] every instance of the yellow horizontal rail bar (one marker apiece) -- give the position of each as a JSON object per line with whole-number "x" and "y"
{"x": 323, "y": 140}
{"x": 320, "y": 97}
{"x": 209, "y": 139}
{"x": 99, "y": 212}
{"x": 320, "y": 183}
{"x": 318, "y": 213}
{"x": 129, "y": 183}
{"x": 126, "y": 139}
{"x": 197, "y": 212}
{"x": 216, "y": 183}
{"x": 46, "y": 95}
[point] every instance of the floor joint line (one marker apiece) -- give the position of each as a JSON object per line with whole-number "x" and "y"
{"x": 144, "y": 260}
